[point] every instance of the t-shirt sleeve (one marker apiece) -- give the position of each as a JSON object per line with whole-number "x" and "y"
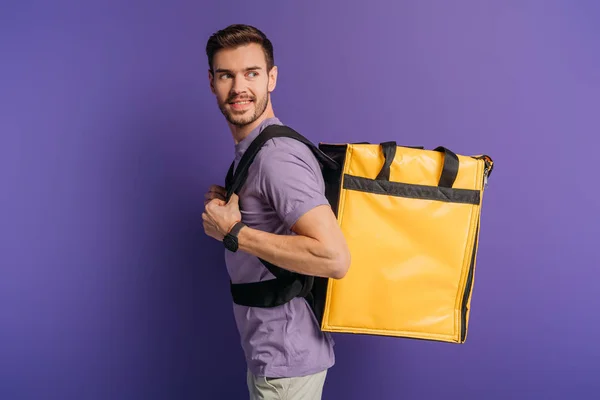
{"x": 291, "y": 180}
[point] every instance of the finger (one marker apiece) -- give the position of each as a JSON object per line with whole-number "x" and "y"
{"x": 213, "y": 195}
{"x": 210, "y": 206}
{"x": 218, "y": 189}
{"x": 234, "y": 199}
{"x": 217, "y": 202}
{"x": 216, "y": 192}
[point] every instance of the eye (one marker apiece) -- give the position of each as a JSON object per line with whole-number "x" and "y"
{"x": 224, "y": 76}
{"x": 253, "y": 74}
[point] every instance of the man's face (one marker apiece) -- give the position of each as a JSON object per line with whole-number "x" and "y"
{"x": 242, "y": 83}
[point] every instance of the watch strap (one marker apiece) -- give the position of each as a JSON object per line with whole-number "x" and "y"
{"x": 235, "y": 229}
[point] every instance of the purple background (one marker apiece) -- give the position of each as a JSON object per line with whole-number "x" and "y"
{"x": 110, "y": 137}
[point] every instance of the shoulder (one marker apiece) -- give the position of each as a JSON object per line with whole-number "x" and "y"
{"x": 290, "y": 178}
{"x": 282, "y": 156}
{"x": 280, "y": 146}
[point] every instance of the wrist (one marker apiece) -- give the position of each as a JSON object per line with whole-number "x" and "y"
{"x": 231, "y": 239}
{"x": 230, "y": 227}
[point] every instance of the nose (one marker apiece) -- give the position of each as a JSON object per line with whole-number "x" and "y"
{"x": 238, "y": 85}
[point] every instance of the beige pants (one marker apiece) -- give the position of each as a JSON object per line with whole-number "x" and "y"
{"x": 304, "y": 387}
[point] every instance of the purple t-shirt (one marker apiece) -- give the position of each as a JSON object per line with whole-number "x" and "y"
{"x": 284, "y": 182}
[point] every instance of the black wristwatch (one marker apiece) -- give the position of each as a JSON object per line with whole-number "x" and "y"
{"x": 231, "y": 240}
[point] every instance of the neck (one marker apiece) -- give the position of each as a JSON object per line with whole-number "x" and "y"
{"x": 240, "y": 132}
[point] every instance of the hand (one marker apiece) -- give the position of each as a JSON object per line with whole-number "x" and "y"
{"x": 215, "y": 192}
{"x": 219, "y": 216}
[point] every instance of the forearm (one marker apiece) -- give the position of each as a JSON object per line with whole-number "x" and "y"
{"x": 296, "y": 253}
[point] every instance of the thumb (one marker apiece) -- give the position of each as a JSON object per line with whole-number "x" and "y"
{"x": 234, "y": 199}
{"x": 213, "y": 203}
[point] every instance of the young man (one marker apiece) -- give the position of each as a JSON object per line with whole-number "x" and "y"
{"x": 285, "y": 220}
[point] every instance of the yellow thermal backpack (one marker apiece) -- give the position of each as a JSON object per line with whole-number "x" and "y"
{"x": 411, "y": 219}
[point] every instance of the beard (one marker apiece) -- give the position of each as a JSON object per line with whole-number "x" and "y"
{"x": 243, "y": 118}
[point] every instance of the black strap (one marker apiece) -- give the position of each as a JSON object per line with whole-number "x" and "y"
{"x": 273, "y": 292}
{"x": 229, "y": 177}
{"x": 241, "y": 172}
{"x": 266, "y": 294}
{"x": 287, "y": 284}
{"x": 389, "y": 152}
{"x": 450, "y": 169}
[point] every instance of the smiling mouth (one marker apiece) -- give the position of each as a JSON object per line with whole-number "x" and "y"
{"x": 240, "y": 105}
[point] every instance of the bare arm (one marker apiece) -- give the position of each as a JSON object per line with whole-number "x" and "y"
{"x": 291, "y": 182}
{"x": 318, "y": 248}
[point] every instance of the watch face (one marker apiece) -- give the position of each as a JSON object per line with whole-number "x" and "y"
{"x": 230, "y": 243}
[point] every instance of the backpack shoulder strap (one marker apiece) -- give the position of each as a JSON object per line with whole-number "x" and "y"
{"x": 287, "y": 284}
{"x": 234, "y": 182}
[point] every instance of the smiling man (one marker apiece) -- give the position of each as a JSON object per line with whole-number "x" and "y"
{"x": 281, "y": 216}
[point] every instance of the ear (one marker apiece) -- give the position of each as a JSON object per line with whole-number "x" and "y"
{"x": 210, "y": 80}
{"x": 272, "y": 79}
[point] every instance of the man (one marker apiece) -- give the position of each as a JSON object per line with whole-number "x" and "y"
{"x": 286, "y": 220}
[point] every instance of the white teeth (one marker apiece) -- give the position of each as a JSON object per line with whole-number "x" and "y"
{"x": 241, "y": 102}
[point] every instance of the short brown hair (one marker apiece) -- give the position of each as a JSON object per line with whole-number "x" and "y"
{"x": 237, "y": 35}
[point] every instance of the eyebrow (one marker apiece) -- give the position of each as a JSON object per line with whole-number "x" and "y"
{"x": 223, "y": 70}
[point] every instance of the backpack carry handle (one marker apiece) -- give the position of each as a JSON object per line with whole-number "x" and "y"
{"x": 449, "y": 169}
{"x": 389, "y": 152}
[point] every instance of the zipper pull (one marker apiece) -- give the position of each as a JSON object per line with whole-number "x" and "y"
{"x": 486, "y": 170}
